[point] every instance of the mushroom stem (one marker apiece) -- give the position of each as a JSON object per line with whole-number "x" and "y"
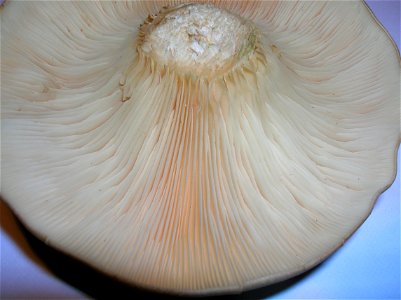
{"x": 198, "y": 38}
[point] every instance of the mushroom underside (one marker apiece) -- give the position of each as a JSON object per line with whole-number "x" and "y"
{"x": 205, "y": 177}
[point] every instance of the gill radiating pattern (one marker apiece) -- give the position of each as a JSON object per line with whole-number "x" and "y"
{"x": 176, "y": 181}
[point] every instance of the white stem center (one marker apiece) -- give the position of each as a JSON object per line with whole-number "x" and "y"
{"x": 198, "y": 38}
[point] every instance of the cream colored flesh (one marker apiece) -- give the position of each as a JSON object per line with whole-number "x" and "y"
{"x": 199, "y": 39}
{"x": 175, "y": 181}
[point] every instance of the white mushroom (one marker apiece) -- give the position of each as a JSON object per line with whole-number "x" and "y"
{"x": 197, "y": 148}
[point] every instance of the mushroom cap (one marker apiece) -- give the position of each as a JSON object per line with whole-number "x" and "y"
{"x": 188, "y": 184}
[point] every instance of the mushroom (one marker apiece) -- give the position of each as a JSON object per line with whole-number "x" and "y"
{"x": 201, "y": 147}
